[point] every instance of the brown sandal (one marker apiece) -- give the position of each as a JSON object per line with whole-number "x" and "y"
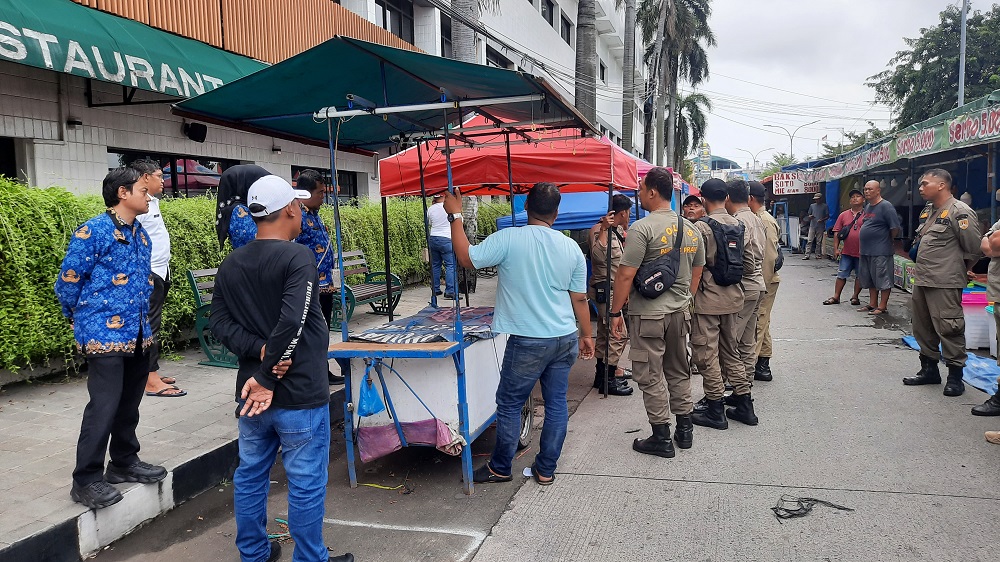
{"x": 831, "y": 300}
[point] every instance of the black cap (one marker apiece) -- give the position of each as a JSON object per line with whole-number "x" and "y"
{"x": 691, "y": 199}
{"x": 853, "y": 191}
{"x": 714, "y": 190}
{"x": 757, "y": 190}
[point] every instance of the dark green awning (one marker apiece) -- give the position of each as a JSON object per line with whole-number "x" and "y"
{"x": 63, "y": 36}
{"x": 281, "y": 100}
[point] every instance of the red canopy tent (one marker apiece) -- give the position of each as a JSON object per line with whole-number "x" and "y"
{"x": 572, "y": 162}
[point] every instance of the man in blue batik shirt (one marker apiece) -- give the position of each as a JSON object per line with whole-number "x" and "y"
{"x": 104, "y": 287}
{"x": 316, "y": 237}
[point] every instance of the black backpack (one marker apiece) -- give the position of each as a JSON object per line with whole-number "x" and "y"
{"x": 728, "y": 267}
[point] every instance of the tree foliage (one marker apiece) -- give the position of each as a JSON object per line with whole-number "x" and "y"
{"x": 922, "y": 81}
{"x": 692, "y": 123}
{"x": 778, "y": 161}
{"x": 853, "y": 140}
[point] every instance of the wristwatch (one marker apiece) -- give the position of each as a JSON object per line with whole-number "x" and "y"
{"x": 615, "y": 314}
{"x": 453, "y": 217}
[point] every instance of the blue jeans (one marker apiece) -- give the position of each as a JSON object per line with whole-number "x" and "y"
{"x": 525, "y": 361}
{"x": 304, "y": 437}
{"x": 442, "y": 252}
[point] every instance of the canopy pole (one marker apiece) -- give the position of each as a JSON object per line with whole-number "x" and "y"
{"x": 427, "y": 224}
{"x": 333, "y": 142}
{"x": 607, "y": 301}
{"x": 385, "y": 242}
{"x": 459, "y": 336}
{"x": 510, "y": 180}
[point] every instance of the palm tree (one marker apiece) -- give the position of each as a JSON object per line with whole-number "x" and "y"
{"x": 688, "y": 58}
{"x": 628, "y": 74}
{"x": 653, "y": 18}
{"x": 692, "y": 124}
{"x": 586, "y": 59}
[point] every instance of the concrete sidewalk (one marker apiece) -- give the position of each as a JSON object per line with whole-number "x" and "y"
{"x": 835, "y": 424}
{"x": 194, "y": 437}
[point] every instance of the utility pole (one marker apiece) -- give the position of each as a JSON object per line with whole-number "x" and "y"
{"x": 791, "y": 135}
{"x": 754, "y": 155}
{"x": 961, "y": 56}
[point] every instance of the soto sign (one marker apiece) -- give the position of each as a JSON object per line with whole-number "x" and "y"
{"x": 790, "y": 183}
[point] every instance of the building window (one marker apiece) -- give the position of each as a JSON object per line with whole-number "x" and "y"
{"x": 548, "y": 11}
{"x": 446, "y": 49}
{"x": 603, "y": 72}
{"x": 396, "y": 17}
{"x": 183, "y": 175}
{"x": 566, "y": 30}
{"x": 494, "y": 58}
{"x": 347, "y": 184}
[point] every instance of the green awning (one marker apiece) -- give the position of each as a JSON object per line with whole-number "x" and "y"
{"x": 281, "y": 100}
{"x": 63, "y": 36}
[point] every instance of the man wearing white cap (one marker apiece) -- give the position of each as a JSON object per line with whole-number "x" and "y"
{"x": 266, "y": 310}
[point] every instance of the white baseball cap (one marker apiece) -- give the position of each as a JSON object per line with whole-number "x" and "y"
{"x": 272, "y": 193}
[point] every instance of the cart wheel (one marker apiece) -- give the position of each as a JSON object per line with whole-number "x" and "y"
{"x": 527, "y": 416}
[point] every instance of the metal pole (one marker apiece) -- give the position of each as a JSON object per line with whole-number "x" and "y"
{"x": 336, "y": 223}
{"x": 385, "y": 242}
{"x": 510, "y": 180}
{"x": 427, "y": 224}
{"x": 961, "y": 55}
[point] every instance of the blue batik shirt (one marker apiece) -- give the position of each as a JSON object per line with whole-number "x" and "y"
{"x": 242, "y": 229}
{"x": 316, "y": 237}
{"x": 104, "y": 286}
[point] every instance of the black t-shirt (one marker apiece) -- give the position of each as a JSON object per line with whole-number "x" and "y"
{"x": 267, "y": 292}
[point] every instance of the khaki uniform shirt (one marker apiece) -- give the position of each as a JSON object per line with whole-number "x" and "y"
{"x": 711, "y": 297}
{"x": 649, "y": 238}
{"x": 993, "y": 275}
{"x": 599, "y": 255}
{"x": 771, "y": 235}
{"x": 753, "y": 250}
{"x": 948, "y": 237}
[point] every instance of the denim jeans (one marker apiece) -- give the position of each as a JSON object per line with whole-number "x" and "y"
{"x": 525, "y": 361}
{"x": 442, "y": 252}
{"x": 304, "y": 437}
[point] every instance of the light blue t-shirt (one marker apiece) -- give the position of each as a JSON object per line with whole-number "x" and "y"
{"x": 537, "y": 267}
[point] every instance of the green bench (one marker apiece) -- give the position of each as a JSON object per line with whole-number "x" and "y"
{"x": 203, "y": 285}
{"x": 372, "y": 291}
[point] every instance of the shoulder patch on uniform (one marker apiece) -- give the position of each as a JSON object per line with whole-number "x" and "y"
{"x": 963, "y": 223}
{"x": 944, "y": 214}
{"x": 924, "y": 215}
{"x": 962, "y": 216}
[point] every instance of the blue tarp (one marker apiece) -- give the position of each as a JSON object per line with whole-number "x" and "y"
{"x": 979, "y": 372}
{"x": 577, "y": 211}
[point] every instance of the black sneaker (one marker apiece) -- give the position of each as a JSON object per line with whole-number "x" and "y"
{"x": 275, "y": 552}
{"x": 334, "y": 379}
{"x": 95, "y": 495}
{"x": 449, "y": 297}
{"x": 141, "y": 472}
{"x": 348, "y": 557}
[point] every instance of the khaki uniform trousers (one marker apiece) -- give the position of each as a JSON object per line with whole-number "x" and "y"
{"x": 715, "y": 349}
{"x": 617, "y": 345}
{"x": 938, "y": 319}
{"x": 660, "y": 365}
{"x": 746, "y": 334}
{"x": 764, "y": 321}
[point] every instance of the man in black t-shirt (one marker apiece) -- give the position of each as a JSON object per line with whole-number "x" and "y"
{"x": 266, "y": 310}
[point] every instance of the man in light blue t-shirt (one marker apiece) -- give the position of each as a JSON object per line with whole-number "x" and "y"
{"x": 541, "y": 295}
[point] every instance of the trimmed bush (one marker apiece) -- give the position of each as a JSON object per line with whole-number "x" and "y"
{"x": 35, "y": 226}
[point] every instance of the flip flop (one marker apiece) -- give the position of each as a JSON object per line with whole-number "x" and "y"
{"x": 877, "y": 311}
{"x": 831, "y": 300}
{"x": 855, "y": 302}
{"x": 168, "y": 380}
{"x": 866, "y": 308}
{"x": 163, "y": 393}
{"x": 485, "y": 475}
{"x": 538, "y": 480}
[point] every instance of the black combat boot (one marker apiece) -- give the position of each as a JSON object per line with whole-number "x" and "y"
{"x": 658, "y": 444}
{"x": 762, "y": 372}
{"x": 701, "y": 405}
{"x": 989, "y": 408}
{"x": 684, "y": 434}
{"x": 743, "y": 412}
{"x": 616, "y": 386}
{"x": 928, "y": 373}
{"x": 954, "y": 386}
{"x": 714, "y": 415}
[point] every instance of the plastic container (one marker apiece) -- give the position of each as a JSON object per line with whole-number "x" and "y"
{"x": 977, "y": 321}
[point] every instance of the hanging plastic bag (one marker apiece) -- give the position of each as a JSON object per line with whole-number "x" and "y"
{"x": 369, "y": 401}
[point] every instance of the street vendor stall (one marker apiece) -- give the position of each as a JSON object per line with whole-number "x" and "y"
{"x": 434, "y": 378}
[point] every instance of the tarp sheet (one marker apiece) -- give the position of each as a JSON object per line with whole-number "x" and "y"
{"x": 432, "y": 325}
{"x": 578, "y": 164}
{"x": 577, "y": 211}
{"x": 979, "y": 372}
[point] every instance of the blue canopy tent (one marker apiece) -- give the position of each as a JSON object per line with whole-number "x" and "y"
{"x": 577, "y": 211}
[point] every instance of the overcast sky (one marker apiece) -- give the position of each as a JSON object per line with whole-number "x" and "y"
{"x": 821, "y": 48}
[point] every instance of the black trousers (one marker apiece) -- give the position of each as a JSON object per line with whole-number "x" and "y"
{"x": 160, "y": 288}
{"x": 116, "y": 386}
{"x": 326, "y": 303}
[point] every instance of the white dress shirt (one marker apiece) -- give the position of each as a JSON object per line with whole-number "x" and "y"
{"x": 158, "y": 237}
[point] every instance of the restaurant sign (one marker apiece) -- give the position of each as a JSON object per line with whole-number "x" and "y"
{"x": 790, "y": 183}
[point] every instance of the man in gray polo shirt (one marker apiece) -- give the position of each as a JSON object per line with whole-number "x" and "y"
{"x": 879, "y": 225}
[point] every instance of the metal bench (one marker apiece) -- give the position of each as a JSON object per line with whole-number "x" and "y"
{"x": 203, "y": 284}
{"x": 372, "y": 291}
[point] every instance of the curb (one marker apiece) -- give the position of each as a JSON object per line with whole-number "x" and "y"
{"x": 77, "y": 538}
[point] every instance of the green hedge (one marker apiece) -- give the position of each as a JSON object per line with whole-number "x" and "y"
{"x": 35, "y": 225}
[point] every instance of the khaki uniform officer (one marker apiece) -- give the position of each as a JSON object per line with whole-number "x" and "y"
{"x": 947, "y": 245}
{"x": 990, "y": 247}
{"x": 753, "y": 290}
{"x": 714, "y": 344}
{"x": 762, "y": 370}
{"x": 660, "y": 326}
